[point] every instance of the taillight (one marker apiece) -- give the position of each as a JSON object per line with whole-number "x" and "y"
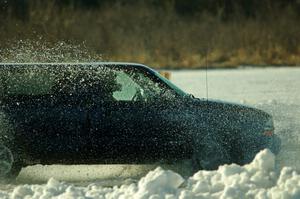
{"x": 268, "y": 133}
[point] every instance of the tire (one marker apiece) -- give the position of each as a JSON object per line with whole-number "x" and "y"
{"x": 209, "y": 155}
{"x": 9, "y": 166}
{"x": 15, "y": 170}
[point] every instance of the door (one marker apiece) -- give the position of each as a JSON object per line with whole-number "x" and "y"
{"x": 133, "y": 126}
{"x": 49, "y": 115}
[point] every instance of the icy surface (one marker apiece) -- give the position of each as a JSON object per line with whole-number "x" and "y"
{"x": 273, "y": 90}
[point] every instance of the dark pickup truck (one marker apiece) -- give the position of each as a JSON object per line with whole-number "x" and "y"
{"x": 89, "y": 113}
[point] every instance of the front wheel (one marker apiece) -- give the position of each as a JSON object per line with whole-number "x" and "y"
{"x": 209, "y": 156}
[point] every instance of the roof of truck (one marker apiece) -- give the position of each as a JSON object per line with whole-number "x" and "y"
{"x": 73, "y": 63}
{"x": 78, "y": 64}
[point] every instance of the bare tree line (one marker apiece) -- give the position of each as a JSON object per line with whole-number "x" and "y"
{"x": 160, "y": 36}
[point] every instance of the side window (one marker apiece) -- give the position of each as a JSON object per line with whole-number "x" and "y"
{"x": 129, "y": 89}
{"x": 139, "y": 86}
{"x": 100, "y": 83}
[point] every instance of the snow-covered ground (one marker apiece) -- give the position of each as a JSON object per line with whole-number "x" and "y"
{"x": 272, "y": 89}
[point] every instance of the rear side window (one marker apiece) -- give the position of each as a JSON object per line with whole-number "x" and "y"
{"x": 58, "y": 82}
{"x": 25, "y": 82}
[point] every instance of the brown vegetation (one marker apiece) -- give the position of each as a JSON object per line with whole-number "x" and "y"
{"x": 160, "y": 37}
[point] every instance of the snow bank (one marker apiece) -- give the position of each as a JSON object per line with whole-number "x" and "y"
{"x": 255, "y": 180}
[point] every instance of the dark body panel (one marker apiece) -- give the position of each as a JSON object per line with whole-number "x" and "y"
{"x": 48, "y": 130}
{"x": 137, "y": 132}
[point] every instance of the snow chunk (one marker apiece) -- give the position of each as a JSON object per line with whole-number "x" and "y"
{"x": 234, "y": 181}
{"x": 158, "y": 182}
{"x": 264, "y": 161}
{"x": 255, "y": 180}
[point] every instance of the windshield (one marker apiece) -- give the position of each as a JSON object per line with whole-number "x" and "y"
{"x": 171, "y": 85}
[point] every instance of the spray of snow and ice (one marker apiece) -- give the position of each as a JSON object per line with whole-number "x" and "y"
{"x": 36, "y": 51}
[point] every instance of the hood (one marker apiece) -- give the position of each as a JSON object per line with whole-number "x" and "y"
{"x": 226, "y": 115}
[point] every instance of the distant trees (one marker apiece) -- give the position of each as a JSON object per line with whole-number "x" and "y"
{"x": 163, "y": 33}
{"x": 226, "y": 8}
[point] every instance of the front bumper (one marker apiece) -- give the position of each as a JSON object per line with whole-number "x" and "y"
{"x": 273, "y": 143}
{"x": 252, "y": 148}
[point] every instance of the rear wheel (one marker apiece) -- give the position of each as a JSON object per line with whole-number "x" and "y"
{"x": 209, "y": 156}
{"x": 9, "y": 166}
